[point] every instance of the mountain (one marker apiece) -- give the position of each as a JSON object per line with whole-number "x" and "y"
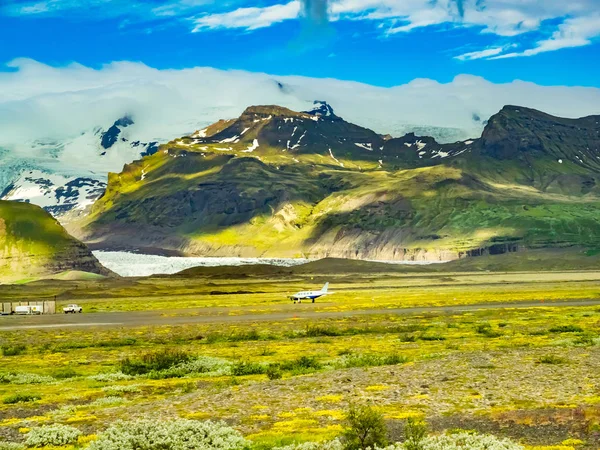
{"x": 57, "y": 194}
{"x": 65, "y": 177}
{"x": 276, "y": 182}
{"x": 34, "y": 245}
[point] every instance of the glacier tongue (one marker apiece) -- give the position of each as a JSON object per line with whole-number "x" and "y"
{"x": 129, "y": 264}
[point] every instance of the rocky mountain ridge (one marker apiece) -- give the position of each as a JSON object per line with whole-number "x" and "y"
{"x": 276, "y": 182}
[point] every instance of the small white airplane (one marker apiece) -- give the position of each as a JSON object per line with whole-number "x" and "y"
{"x": 310, "y": 295}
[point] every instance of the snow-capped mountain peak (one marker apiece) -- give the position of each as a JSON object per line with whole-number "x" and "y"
{"x": 110, "y": 137}
{"x": 70, "y": 174}
{"x": 57, "y": 194}
{"x": 322, "y": 109}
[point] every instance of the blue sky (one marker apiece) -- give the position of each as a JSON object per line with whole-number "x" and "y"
{"x": 380, "y": 42}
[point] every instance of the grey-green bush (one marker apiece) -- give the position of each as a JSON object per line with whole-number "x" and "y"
{"x": 52, "y": 435}
{"x": 176, "y": 434}
{"x": 11, "y": 446}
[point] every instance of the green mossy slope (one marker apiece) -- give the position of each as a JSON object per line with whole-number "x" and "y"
{"x": 279, "y": 183}
{"x": 33, "y": 245}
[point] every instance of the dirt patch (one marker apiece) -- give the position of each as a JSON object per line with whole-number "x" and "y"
{"x": 535, "y": 427}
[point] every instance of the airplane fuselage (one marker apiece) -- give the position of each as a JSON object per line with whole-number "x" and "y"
{"x": 310, "y": 295}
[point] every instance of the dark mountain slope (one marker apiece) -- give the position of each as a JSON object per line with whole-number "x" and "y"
{"x": 275, "y": 182}
{"x": 523, "y": 134}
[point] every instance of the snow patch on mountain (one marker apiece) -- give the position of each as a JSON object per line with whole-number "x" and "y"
{"x": 70, "y": 174}
{"x": 335, "y": 159}
{"x": 252, "y": 147}
{"x": 55, "y": 193}
{"x": 230, "y": 140}
{"x": 321, "y": 109}
{"x": 367, "y": 146}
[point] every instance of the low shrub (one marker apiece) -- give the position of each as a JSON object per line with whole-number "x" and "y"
{"x": 371, "y": 360}
{"x": 66, "y": 346}
{"x": 124, "y": 342}
{"x": 52, "y": 435}
{"x": 154, "y": 362}
{"x": 566, "y": 329}
{"x": 274, "y": 372}
{"x": 11, "y": 446}
{"x": 409, "y": 328}
{"x": 329, "y": 445}
{"x": 178, "y": 434}
{"x": 432, "y": 337}
{"x": 414, "y": 434}
{"x": 394, "y": 359}
{"x": 462, "y": 441}
{"x": 485, "y": 329}
{"x": 352, "y": 360}
{"x": 63, "y": 412}
{"x": 200, "y": 365}
{"x": 121, "y": 389}
{"x": 240, "y": 336}
{"x": 365, "y": 428}
{"x": 538, "y": 332}
{"x": 247, "y": 368}
{"x": 13, "y": 350}
{"x": 587, "y": 340}
{"x": 188, "y": 387}
{"x": 552, "y": 359}
{"x": 301, "y": 365}
{"x": 110, "y": 377}
{"x": 320, "y": 331}
{"x": 108, "y": 401}
{"x": 329, "y": 331}
{"x": 65, "y": 373}
{"x": 20, "y": 398}
{"x": 25, "y": 378}
{"x": 173, "y": 372}
{"x": 208, "y": 364}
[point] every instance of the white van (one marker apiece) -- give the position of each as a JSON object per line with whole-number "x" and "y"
{"x": 29, "y": 310}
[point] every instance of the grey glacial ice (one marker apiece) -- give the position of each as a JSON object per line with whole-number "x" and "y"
{"x": 127, "y": 264}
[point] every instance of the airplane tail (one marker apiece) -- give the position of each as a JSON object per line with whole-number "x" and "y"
{"x": 325, "y": 287}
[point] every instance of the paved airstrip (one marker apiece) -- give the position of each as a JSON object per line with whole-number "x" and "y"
{"x": 228, "y": 315}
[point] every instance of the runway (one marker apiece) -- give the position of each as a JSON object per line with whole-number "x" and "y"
{"x": 249, "y": 314}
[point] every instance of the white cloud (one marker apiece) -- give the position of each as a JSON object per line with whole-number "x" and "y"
{"x": 249, "y": 18}
{"x": 500, "y": 17}
{"x": 39, "y": 102}
{"x": 503, "y": 18}
{"x": 576, "y": 32}
{"x": 135, "y": 10}
{"x": 44, "y": 110}
{"x": 483, "y": 54}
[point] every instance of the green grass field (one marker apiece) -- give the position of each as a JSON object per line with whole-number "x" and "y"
{"x": 531, "y": 374}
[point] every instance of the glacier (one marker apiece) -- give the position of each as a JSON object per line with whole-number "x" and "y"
{"x": 127, "y": 264}
{"x": 69, "y": 175}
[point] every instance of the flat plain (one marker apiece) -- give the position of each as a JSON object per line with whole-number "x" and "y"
{"x": 513, "y": 354}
